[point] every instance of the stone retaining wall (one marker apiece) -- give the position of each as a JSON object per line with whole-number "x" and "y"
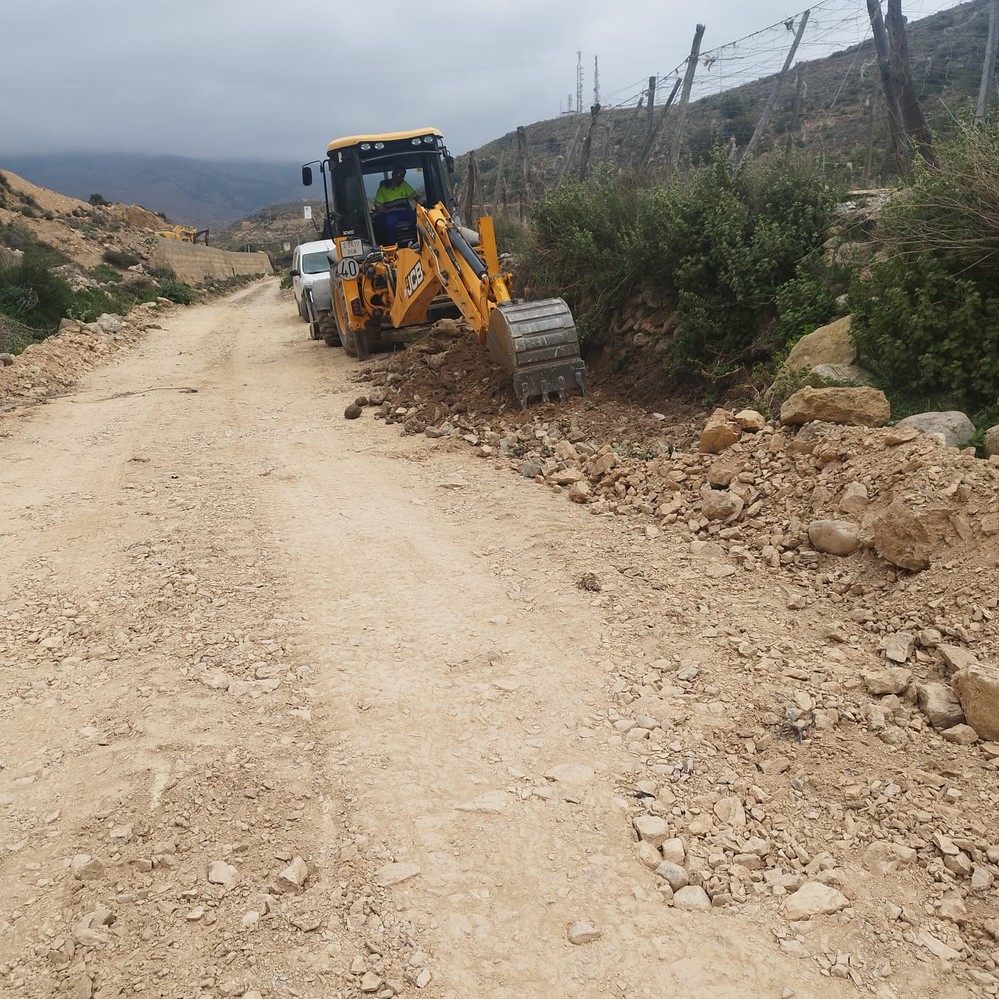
{"x": 193, "y": 262}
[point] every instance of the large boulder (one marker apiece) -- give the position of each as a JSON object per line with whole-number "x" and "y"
{"x": 898, "y": 535}
{"x": 839, "y": 374}
{"x": 991, "y": 444}
{"x": 720, "y": 431}
{"x": 955, "y": 428}
{"x": 837, "y": 537}
{"x": 858, "y": 407}
{"x": 831, "y": 344}
{"x": 940, "y": 705}
{"x": 977, "y": 688}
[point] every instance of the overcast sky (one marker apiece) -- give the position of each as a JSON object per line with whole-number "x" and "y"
{"x": 277, "y": 80}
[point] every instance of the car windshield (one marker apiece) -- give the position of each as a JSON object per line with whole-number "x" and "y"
{"x": 315, "y": 263}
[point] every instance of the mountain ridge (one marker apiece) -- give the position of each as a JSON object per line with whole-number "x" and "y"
{"x": 203, "y": 193}
{"x": 946, "y": 53}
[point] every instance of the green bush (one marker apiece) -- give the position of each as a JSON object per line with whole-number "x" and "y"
{"x": 718, "y": 247}
{"x": 105, "y": 274}
{"x": 120, "y": 258}
{"x": 808, "y": 300}
{"x": 586, "y": 241}
{"x": 930, "y": 332}
{"x": 18, "y": 237}
{"x": 33, "y": 295}
{"x": 89, "y": 303}
{"x": 173, "y": 288}
{"x": 927, "y": 319}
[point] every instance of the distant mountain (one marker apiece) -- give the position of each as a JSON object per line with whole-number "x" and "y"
{"x": 841, "y": 120}
{"x": 202, "y": 193}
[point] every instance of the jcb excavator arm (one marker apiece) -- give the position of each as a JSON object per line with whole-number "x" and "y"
{"x": 535, "y": 341}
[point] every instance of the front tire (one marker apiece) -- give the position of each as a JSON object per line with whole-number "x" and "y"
{"x": 343, "y": 331}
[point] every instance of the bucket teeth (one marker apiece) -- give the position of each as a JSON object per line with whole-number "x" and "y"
{"x": 537, "y": 343}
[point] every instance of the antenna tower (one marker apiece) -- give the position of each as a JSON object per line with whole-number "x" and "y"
{"x": 596, "y": 82}
{"x": 579, "y": 82}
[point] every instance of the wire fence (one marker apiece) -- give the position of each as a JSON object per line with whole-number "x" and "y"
{"x": 833, "y": 26}
{"x": 831, "y": 105}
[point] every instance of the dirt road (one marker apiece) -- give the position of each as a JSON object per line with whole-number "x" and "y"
{"x": 298, "y": 706}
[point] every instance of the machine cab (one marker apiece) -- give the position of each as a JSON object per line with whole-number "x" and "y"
{"x": 369, "y": 201}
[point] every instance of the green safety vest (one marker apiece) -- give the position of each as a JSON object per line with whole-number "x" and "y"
{"x": 386, "y": 193}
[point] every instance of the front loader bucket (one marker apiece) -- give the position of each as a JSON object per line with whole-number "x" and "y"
{"x": 537, "y": 343}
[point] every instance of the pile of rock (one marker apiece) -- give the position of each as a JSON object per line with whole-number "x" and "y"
{"x": 45, "y": 368}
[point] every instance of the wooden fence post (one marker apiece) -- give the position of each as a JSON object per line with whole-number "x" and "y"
{"x": 873, "y": 117}
{"x": 650, "y": 140}
{"x": 913, "y": 119}
{"x": 899, "y": 140}
{"x": 525, "y": 192}
{"x": 472, "y": 182}
{"x": 991, "y": 47}
{"x": 651, "y": 92}
{"x": 584, "y": 156}
{"x": 499, "y": 182}
{"x": 768, "y": 110}
{"x": 800, "y": 89}
{"x": 688, "y": 82}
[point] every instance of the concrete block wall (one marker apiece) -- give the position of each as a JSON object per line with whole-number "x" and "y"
{"x": 194, "y": 262}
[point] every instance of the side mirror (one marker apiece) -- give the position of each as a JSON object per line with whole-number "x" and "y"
{"x": 449, "y": 160}
{"x": 296, "y": 273}
{"x": 307, "y": 176}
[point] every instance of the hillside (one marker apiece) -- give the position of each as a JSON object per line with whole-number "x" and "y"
{"x": 945, "y": 54}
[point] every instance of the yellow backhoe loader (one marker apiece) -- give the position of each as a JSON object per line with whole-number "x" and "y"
{"x": 403, "y": 258}
{"x": 185, "y": 233}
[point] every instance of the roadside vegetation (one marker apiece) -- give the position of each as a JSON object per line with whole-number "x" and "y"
{"x": 926, "y": 314}
{"x": 720, "y": 249}
{"x": 737, "y": 258}
{"x": 35, "y": 296}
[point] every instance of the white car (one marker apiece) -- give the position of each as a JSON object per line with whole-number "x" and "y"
{"x": 310, "y": 281}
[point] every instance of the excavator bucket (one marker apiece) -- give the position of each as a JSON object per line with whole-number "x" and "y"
{"x": 537, "y": 343}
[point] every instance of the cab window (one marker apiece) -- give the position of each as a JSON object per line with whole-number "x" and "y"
{"x": 374, "y": 175}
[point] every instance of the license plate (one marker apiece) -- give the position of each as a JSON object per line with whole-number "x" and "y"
{"x": 351, "y": 248}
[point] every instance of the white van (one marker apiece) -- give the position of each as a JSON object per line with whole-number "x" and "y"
{"x": 310, "y": 280}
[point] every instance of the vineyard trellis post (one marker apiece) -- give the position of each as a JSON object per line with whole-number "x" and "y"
{"x": 688, "y": 82}
{"x": 525, "y": 194}
{"x": 471, "y": 185}
{"x": 650, "y": 141}
{"x": 800, "y": 90}
{"x": 913, "y": 119}
{"x": 764, "y": 123}
{"x": 498, "y": 184}
{"x": 901, "y": 149}
{"x": 569, "y": 155}
{"x": 871, "y": 125}
{"x": 584, "y": 156}
{"x": 991, "y": 48}
{"x": 650, "y": 107}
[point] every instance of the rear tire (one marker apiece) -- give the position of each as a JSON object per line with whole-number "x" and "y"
{"x": 327, "y": 332}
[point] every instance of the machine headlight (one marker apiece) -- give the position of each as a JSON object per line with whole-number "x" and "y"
{"x": 365, "y": 146}
{"x": 414, "y": 142}
{"x": 428, "y": 139}
{"x": 379, "y": 145}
